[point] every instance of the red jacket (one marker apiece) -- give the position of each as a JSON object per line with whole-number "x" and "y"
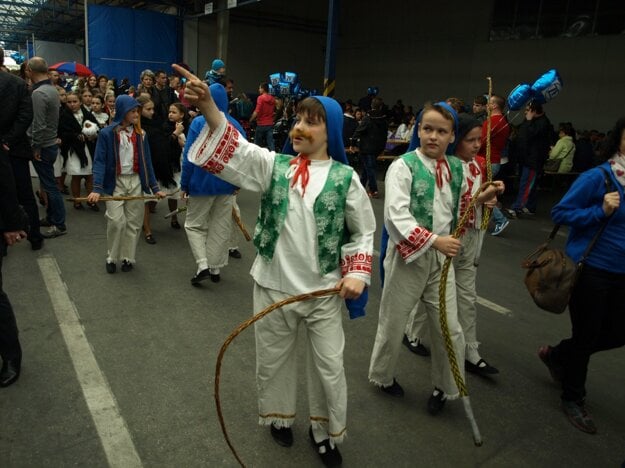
{"x": 499, "y": 133}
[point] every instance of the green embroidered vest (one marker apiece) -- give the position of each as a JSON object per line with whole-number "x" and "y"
{"x": 422, "y": 191}
{"x": 329, "y": 210}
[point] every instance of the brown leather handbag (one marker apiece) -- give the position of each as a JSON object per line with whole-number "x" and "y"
{"x": 551, "y": 274}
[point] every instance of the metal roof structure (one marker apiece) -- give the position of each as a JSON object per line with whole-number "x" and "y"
{"x": 62, "y": 20}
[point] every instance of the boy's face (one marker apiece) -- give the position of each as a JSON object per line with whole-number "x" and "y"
{"x": 469, "y": 146}
{"x": 436, "y": 133}
{"x": 309, "y": 135}
{"x": 131, "y": 118}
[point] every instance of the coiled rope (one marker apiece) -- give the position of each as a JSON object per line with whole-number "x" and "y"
{"x": 241, "y": 328}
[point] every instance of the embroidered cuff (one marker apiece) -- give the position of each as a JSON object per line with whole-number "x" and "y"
{"x": 360, "y": 262}
{"x": 212, "y": 150}
{"x": 418, "y": 241}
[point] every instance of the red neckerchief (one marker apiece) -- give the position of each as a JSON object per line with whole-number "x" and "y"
{"x": 439, "y": 172}
{"x": 302, "y": 162}
{"x": 135, "y": 152}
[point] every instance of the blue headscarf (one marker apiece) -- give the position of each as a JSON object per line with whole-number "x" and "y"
{"x": 415, "y": 142}
{"x": 334, "y": 126}
{"x": 123, "y": 105}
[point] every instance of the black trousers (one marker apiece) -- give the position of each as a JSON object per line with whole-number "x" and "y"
{"x": 25, "y": 196}
{"x": 9, "y": 341}
{"x": 598, "y": 324}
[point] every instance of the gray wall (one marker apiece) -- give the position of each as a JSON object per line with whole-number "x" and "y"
{"x": 415, "y": 53}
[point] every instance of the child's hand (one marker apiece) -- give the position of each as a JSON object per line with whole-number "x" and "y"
{"x": 93, "y": 197}
{"x": 179, "y": 128}
{"x": 160, "y": 194}
{"x": 351, "y": 288}
{"x": 447, "y": 245}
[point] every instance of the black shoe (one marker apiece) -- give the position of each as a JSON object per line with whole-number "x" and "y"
{"x": 36, "y": 244}
{"x": 43, "y": 222}
{"x": 93, "y": 207}
{"x": 416, "y": 347}
{"x": 10, "y": 371}
{"x": 481, "y": 368}
{"x": 545, "y": 355}
{"x": 436, "y": 402}
{"x": 150, "y": 239}
{"x": 175, "y": 224}
{"x": 283, "y": 435}
{"x": 394, "y": 389}
{"x": 201, "y": 276}
{"x": 329, "y": 456}
{"x": 578, "y": 416}
{"x": 215, "y": 278}
{"x": 78, "y": 206}
{"x": 234, "y": 253}
{"x": 126, "y": 266}
{"x": 111, "y": 268}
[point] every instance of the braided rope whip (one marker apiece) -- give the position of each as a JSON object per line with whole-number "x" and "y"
{"x": 238, "y": 330}
{"x": 489, "y": 164}
{"x": 451, "y": 354}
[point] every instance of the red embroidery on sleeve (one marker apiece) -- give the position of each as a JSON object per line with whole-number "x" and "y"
{"x": 224, "y": 151}
{"x": 415, "y": 242}
{"x": 360, "y": 262}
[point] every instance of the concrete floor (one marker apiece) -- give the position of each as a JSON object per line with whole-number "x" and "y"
{"x": 155, "y": 339}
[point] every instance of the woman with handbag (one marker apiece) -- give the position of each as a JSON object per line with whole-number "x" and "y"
{"x": 596, "y": 304}
{"x": 562, "y": 153}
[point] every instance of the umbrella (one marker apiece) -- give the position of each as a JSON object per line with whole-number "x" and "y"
{"x": 72, "y": 68}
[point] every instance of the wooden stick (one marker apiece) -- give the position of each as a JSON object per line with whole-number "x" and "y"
{"x": 237, "y": 219}
{"x": 116, "y": 198}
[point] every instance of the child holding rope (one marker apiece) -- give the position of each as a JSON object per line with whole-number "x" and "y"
{"x": 122, "y": 167}
{"x": 424, "y": 189}
{"x": 315, "y": 231}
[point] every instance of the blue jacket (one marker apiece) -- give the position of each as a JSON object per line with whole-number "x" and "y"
{"x": 581, "y": 210}
{"x": 106, "y": 156}
{"x": 194, "y": 180}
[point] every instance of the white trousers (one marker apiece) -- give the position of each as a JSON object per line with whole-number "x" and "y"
{"x": 235, "y": 232}
{"x": 404, "y": 285}
{"x": 208, "y": 225}
{"x": 465, "y": 271}
{"x": 124, "y": 220}
{"x": 276, "y": 363}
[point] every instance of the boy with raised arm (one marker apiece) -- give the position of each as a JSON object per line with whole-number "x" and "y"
{"x": 314, "y": 231}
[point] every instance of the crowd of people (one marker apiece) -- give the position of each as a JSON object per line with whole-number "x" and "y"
{"x": 190, "y": 141}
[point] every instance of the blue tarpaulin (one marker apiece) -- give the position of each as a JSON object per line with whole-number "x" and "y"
{"x": 122, "y": 42}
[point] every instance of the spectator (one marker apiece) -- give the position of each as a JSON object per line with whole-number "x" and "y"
{"x": 584, "y": 156}
{"x": 16, "y": 117}
{"x": 103, "y": 83}
{"x": 371, "y": 136}
{"x": 564, "y": 149}
{"x": 479, "y": 108}
{"x": 163, "y": 97}
{"x": 217, "y": 73}
{"x": 44, "y": 141}
{"x": 532, "y": 147}
{"x": 92, "y": 83}
{"x": 263, "y": 114}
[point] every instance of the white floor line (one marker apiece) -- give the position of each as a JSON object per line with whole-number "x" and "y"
{"x": 480, "y": 300}
{"x": 112, "y": 429}
{"x": 494, "y": 307}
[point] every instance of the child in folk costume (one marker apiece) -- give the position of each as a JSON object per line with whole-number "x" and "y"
{"x": 210, "y": 200}
{"x": 465, "y": 263}
{"x": 424, "y": 189}
{"x": 78, "y": 130}
{"x": 309, "y": 203}
{"x": 122, "y": 167}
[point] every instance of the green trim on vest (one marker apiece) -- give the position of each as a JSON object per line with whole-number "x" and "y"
{"x": 329, "y": 211}
{"x": 422, "y": 190}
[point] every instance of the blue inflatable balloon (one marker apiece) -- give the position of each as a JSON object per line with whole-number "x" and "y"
{"x": 547, "y": 86}
{"x": 519, "y": 96}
